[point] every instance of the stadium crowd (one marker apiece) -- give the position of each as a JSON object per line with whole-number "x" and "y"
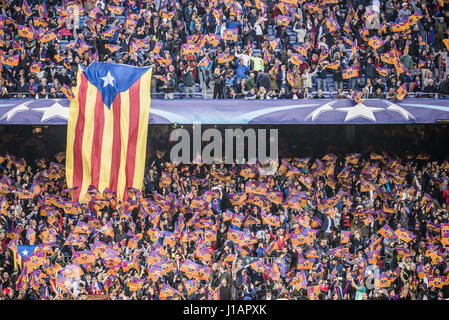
{"x": 332, "y": 228}
{"x": 239, "y": 49}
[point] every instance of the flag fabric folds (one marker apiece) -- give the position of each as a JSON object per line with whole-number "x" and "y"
{"x": 230, "y": 34}
{"x": 107, "y": 129}
{"x": 402, "y": 91}
{"x": 352, "y": 71}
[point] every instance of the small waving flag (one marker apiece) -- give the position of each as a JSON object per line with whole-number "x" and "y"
{"x": 404, "y": 235}
{"x": 334, "y": 65}
{"x": 112, "y": 48}
{"x": 12, "y": 61}
{"x": 399, "y": 26}
{"x": 290, "y": 78}
{"x": 387, "y": 232}
{"x": 82, "y": 257}
{"x": 446, "y": 43}
{"x": 352, "y": 71}
{"x": 296, "y": 58}
{"x": 230, "y": 34}
{"x": 283, "y": 20}
{"x": 39, "y": 22}
{"x": 47, "y": 37}
{"x": 116, "y": 9}
{"x": 34, "y": 260}
{"x": 25, "y": 32}
{"x": 332, "y": 24}
{"x": 345, "y": 236}
{"x": 375, "y": 42}
{"x": 213, "y": 39}
{"x": 35, "y": 67}
{"x": 402, "y": 92}
{"x": 383, "y": 71}
{"x": 67, "y": 91}
{"x": 414, "y": 18}
{"x": 274, "y": 43}
{"x": 204, "y": 62}
{"x": 224, "y": 57}
{"x": 26, "y": 8}
{"x": 444, "y": 233}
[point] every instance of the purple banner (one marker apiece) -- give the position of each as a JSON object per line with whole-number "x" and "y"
{"x": 314, "y": 111}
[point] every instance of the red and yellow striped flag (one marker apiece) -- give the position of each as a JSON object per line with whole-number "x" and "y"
{"x": 107, "y": 129}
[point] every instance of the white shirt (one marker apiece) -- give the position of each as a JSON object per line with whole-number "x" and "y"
{"x": 244, "y": 57}
{"x": 258, "y": 29}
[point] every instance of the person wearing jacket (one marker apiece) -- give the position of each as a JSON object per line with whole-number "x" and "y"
{"x": 321, "y": 77}
{"x": 241, "y": 71}
{"x": 369, "y": 69}
{"x": 282, "y": 79}
{"x": 307, "y": 78}
{"x": 440, "y": 33}
{"x": 218, "y": 84}
{"x": 226, "y": 289}
{"x": 444, "y": 88}
{"x": 188, "y": 81}
{"x": 169, "y": 87}
{"x": 205, "y": 73}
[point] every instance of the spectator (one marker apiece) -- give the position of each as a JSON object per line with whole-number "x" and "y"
{"x": 283, "y": 93}
{"x": 440, "y": 33}
{"x": 300, "y": 30}
{"x": 258, "y": 63}
{"x": 169, "y": 87}
{"x": 444, "y": 87}
{"x": 340, "y": 94}
{"x": 378, "y": 94}
{"x": 321, "y": 77}
{"x": 251, "y": 94}
{"x": 429, "y": 89}
{"x": 319, "y": 95}
{"x": 307, "y": 78}
{"x": 188, "y": 81}
{"x": 218, "y": 84}
{"x": 391, "y": 94}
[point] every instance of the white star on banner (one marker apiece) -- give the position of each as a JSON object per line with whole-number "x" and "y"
{"x": 325, "y": 107}
{"x": 394, "y": 107}
{"x": 360, "y": 110}
{"x": 25, "y": 252}
{"x": 108, "y": 80}
{"x": 55, "y": 110}
{"x": 20, "y": 108}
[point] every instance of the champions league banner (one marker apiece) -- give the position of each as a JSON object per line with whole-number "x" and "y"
{"x": 183, "y": 111}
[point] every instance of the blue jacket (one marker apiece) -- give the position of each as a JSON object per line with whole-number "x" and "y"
{"x": 241, "y": 70}
{"x": 232, "y": 24}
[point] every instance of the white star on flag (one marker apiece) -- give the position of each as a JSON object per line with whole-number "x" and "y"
{"x": 20, "y": 108}
{"x": 25, "y": 252}
{"x": 360, "y": 110}
{"x": 108, "y": 80}
{"x": 55, "y": 110}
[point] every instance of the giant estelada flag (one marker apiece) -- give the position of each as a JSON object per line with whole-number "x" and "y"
{"x": 107, "y": 128}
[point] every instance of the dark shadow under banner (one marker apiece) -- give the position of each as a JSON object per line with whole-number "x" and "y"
{"x": 314, "y": 111}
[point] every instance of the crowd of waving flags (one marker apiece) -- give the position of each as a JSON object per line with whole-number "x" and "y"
{"x": 36, "y": 22}
{"x": 201, "y": 228}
